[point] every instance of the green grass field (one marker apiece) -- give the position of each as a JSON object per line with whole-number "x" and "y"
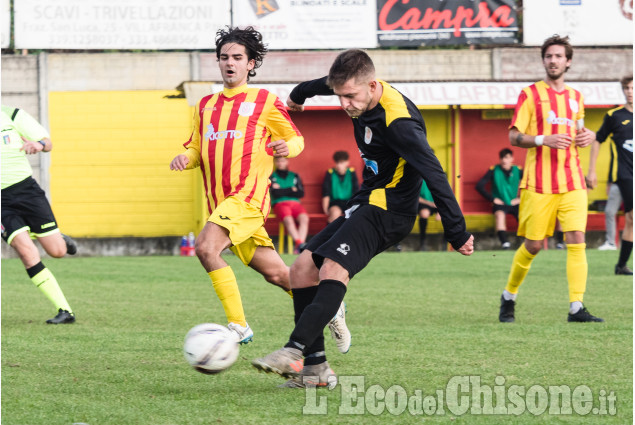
{"x": 418, "y": 320}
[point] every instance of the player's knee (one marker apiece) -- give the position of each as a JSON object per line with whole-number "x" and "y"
{"x": 533, "y": 247}
{"x": 57, "y": 251}
{"x": 205, "y": 250}
{"x": 279, "y": 277}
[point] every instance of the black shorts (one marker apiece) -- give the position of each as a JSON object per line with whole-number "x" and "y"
{"x": 25, "y": 208}
{"x": 507, "y": 209}
{"x": 352, "y": 242}
{"x": 626, "y": 188}
{"x": 432, "y": 210}
{"x": 338, "y": 203}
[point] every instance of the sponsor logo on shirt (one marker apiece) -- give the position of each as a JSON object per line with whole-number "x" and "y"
{"x": 226, "y": 134}
{"x": 553, "y": 119}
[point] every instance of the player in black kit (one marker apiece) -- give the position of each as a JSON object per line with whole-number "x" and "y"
{"x": 391, "y": 137}
{"x": 619, "y": 122}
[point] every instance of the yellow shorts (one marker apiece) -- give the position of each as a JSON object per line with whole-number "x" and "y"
{"x": 245, "y": 224}
{"x": 538, "y": 212}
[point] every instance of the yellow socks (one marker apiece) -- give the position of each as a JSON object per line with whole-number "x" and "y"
{"x": 226, "y": 288}
{"x": 520, "y": 267}
{"x": 46, "y": 282}
{"x": 577, "y": 270}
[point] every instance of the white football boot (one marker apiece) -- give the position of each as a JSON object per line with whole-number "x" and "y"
{"x": 244, "y": 334}
{"x": 339, "y": 330}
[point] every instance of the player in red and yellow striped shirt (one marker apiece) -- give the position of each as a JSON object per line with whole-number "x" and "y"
{"x": 236, "y": 134}
{"x": 549, "y": 123}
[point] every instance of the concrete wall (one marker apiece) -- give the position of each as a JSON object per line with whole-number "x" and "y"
{"x": 587, "y": 64}
{"x": 117, "y": 71}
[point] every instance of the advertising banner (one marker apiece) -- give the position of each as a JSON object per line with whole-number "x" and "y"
{"x": 438, "y": 94}
{"x": 446, "y": 22}
{"x": 586, "y": 22}
{"x": 119, "y": 24}
{"x": 310, "y": 24}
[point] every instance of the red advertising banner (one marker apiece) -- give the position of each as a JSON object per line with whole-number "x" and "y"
{"x": 446, "y": 22}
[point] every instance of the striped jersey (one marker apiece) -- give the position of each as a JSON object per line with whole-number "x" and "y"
{"x": 230, "y": 133}
{"x": 543, "y": 111}
{"x": 392, "y": 141}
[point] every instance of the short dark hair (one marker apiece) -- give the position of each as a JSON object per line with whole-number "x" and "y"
{"x": 626, "y": 80}
{"x": 504, "y": 152}
{"x": 340, "y": 156}
{"x": 353, "y": 63}
{"x": 556, "y": 40}
{"x": 248, "y": 37}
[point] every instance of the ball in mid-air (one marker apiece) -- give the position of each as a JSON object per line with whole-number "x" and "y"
{"x": 210, "y": 348}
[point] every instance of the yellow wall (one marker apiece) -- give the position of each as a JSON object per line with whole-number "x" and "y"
{"x": 439, "y": 134}
{"x": 110, "y": 173}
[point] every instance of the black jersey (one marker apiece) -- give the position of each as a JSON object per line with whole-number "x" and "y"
{"x": 619, "y": 122}
{"x": 392, "y": 141}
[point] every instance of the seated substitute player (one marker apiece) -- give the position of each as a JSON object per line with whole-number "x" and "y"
{"x": 426, "y": 208}
{"x": 25, "y": 209}
{"x": 391, "y": 137}
{"x": 504, "y": 179}
{"x": 338, "y": 186}
{"x": 549, "y": 123}
{"x": 619, "y": 123}
{"x": 245, "y": 126}
{"x": 286, "y": 191}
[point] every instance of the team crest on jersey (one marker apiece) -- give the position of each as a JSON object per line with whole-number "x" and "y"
{"x": 368, "y": 135}
{"x": 574, "y": 106}
{"x": 246, "y": 109}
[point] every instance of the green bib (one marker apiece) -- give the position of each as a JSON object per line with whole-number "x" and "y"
{"x": 505, "y": 187}
{"x": 285, "y": 183}
{"x": 342, "y": 189}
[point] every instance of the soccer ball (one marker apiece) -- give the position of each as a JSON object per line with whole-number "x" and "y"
{"x": 210, "y": 348}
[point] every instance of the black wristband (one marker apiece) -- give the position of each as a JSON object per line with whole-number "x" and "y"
{"x": 43, "y": 143}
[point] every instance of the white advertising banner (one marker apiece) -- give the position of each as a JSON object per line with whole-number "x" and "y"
{"x": 6, "y": 24}
{"x": 119, "y": 24}
{"x": 586, "y": 22}
{"x": 431, "y": 94}
{"x": 310, "y": 24}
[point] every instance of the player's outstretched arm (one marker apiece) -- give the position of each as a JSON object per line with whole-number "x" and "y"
{"x": 294, "y": 106}
{"x": 305, "y": 90}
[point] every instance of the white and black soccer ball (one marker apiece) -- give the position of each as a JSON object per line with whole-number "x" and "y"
{"x": 210, "y": 348}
